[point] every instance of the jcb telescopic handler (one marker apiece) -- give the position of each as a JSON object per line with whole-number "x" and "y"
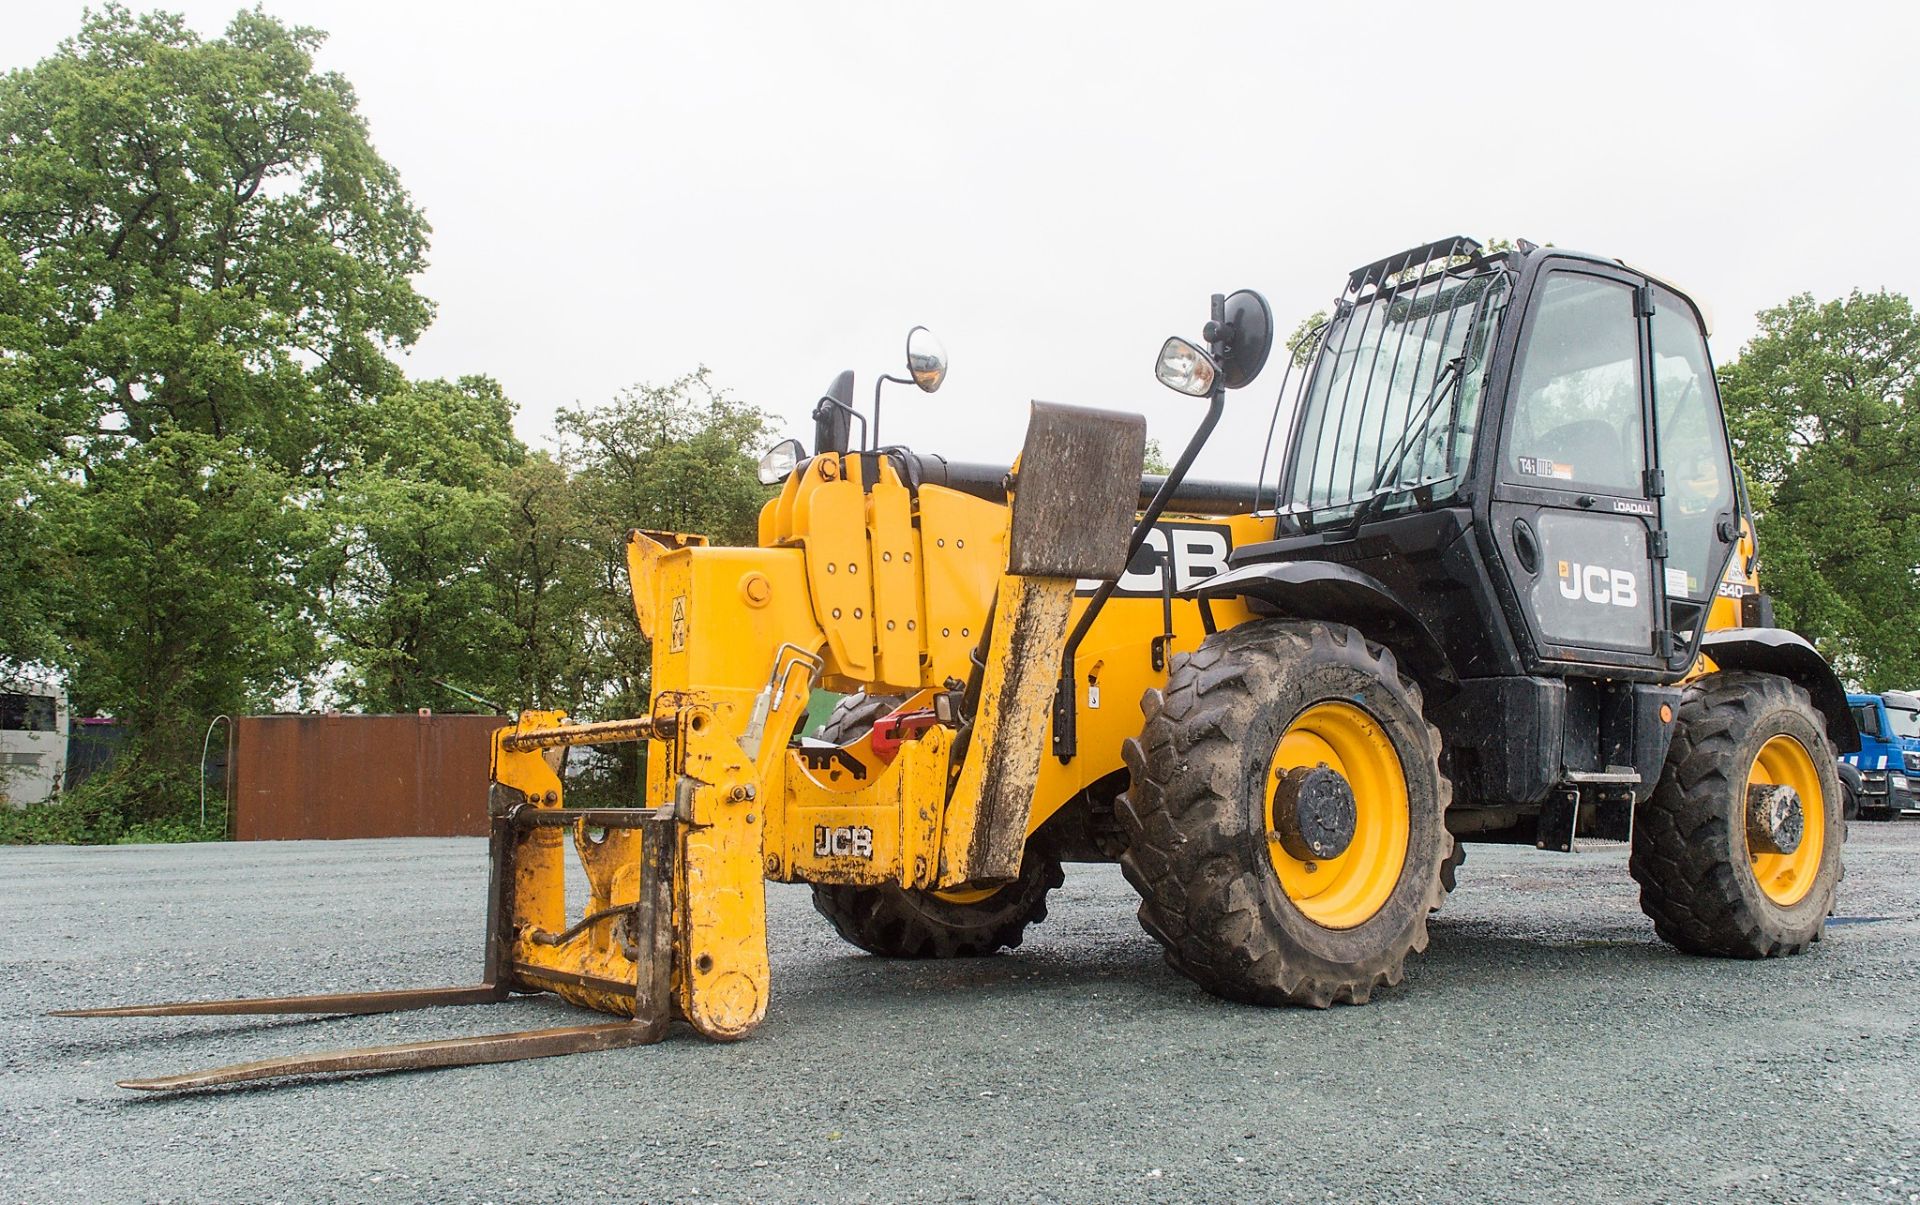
{"x": 1500, "y": 588}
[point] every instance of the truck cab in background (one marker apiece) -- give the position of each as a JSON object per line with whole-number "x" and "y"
{"x": 1889, "y": 756}
{"x": 33, "y": 740}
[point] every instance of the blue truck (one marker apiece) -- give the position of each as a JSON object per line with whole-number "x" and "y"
{"x": 1889, "y": 759}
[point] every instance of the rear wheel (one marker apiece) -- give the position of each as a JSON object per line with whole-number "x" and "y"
{"x": 1737, "y": 852}
{"x": 895, "y": 923}
{"x": 1449, "y": 869}
{"x": 1285, "y": 815}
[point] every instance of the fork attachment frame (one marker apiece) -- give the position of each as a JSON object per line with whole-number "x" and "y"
{"x": 518, "y": 826}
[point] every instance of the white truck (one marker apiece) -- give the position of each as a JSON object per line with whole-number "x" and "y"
{"x": 33, "y": 740}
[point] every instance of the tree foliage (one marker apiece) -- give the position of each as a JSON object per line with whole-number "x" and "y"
{"x": 200, "y": 236}
{"x": 414, "y": 517}
{"x": 1823, "y": 406}
{"x": 204, "y": 265}
{"x": 464, "y": 559}
{"x": 218, "y": 493}
{"x": 182, "y": 595}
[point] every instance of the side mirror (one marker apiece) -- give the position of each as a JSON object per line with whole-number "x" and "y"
{"x": 778, "y": 463}
{"x": 1242, "y": 335}
{"x": 1869, "y": 718}
{"x": 1239, "y": 337}
{"x": 833, "y": 416}
{"x": 926, "y": 359}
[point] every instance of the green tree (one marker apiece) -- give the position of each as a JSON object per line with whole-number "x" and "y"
{"x": 415, "y": 518}
{"x": 542, "y": 575}
{"x": 676, "y": 457}
{"x": 1305, "y": 339}
{"x": 1823, "y": 407}
{"x": 1154, "y": 460}
{"x": 204, "y": 267}
{"x": 203, "y": 235}
{"x": 181, "y": 565}
{"x": 28, "y": 631}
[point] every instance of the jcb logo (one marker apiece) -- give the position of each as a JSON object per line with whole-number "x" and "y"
{"x": 845, "y": 841}
{"x": 1599, "y": 584}
{"x": 1197, "y": 552}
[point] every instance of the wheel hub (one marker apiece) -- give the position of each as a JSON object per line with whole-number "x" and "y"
{"x": 1775, "y": 819}
{"x": 1313, "y": 813}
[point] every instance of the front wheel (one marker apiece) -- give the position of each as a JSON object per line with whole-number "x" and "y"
{"x": 1285, "y": 815}
{"x": 893, "y": 922}
{"x": 1737, "y": 852}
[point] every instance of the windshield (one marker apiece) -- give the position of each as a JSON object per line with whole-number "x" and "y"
{"x": 1905, "y": 721}
{"x": 1388, "y": 410}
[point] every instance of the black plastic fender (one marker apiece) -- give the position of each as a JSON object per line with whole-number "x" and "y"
{"x": 1791, "y": 656}
{"x": 1338, "y": 594}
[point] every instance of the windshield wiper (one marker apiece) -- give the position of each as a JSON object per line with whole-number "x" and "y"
{"x": 1446, "y": 384}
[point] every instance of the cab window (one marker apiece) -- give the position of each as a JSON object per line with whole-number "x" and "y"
{"x": 26, "y": 713}
{"x": 1692, "y": 447}
{"x": 1577, "y": 418}
{"x": 1905, "y": 721}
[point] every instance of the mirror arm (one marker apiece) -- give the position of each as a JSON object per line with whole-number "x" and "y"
{"x": 884, "y": 378}
{"x": 837, "y": 404}
{"x": 1066, "y": 696}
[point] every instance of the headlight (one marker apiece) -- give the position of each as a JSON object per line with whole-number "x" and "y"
{"x": 1184, "y": 368}
{"x": 1912, "y": 761}
{"x": 778, "y": 463}
{"x": 1899, "y": 782}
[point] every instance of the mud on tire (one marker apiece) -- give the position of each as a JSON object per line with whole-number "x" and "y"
{"x": 1196, "y": 818}
{"x": 1690, "y": 851}
{"x": 895, "y": 923}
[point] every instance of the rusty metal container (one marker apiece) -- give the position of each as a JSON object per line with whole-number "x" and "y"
{"x": 325, "y": 777}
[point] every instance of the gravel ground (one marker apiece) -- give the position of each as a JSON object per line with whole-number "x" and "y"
{"x": 1547, "y": 1047}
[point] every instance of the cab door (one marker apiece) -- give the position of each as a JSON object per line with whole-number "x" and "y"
{"x": 1699, "y": 511}
{"x": 1575, "y": 511}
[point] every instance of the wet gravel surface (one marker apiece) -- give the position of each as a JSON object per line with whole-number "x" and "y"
{"x": 1546, "y": 1048}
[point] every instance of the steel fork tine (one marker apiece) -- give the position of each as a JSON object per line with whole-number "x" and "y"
{"x": 416, "y": 1056}
{"x": 341, "y": 1003}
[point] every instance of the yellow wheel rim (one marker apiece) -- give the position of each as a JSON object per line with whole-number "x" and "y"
{"x": 966, "y": 895}
{"x": 1786, "y": 878}
{"x": 1348, "y": 889}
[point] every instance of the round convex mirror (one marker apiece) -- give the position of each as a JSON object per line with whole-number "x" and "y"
{"x": 926, "y": 359}
{"x": 1251, "y": 321}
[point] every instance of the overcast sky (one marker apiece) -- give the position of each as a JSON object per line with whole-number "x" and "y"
{"x": 622, "y": 192}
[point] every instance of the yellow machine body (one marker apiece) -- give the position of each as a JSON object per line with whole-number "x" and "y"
{"x": 856, "y": 584}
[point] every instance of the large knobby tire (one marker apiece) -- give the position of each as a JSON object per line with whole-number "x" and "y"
{"x": 1449, "y": 870}
{"x": 1199, "y": 816}
{"x": 853, "y": 715}
{"x": 895, "y": 923}
{"x": 1706, "y": 887}
{"x": 1850, "y": 784}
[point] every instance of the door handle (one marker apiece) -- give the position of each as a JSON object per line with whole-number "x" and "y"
{"x": 1526, "y": 545}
